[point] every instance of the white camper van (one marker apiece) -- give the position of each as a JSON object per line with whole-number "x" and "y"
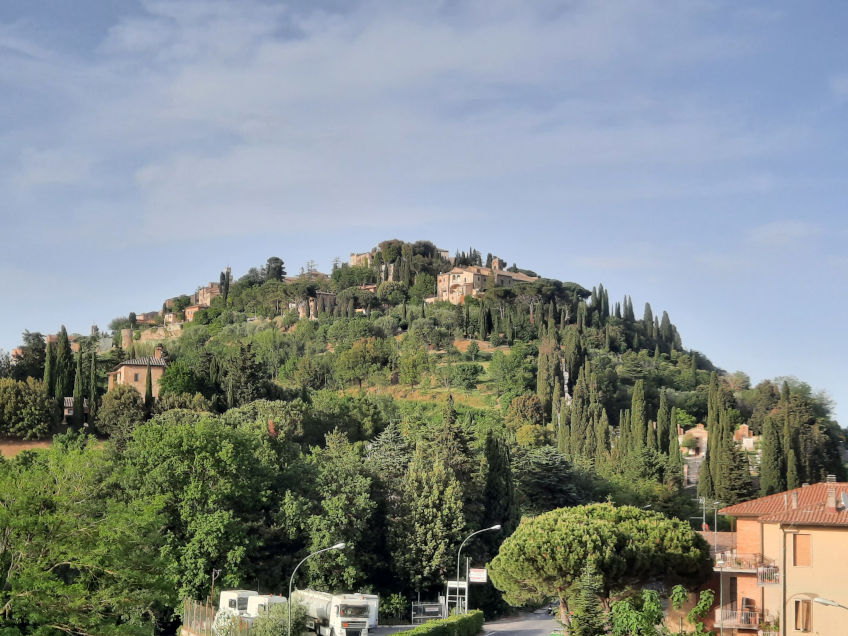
{"x": 335, "y": 614}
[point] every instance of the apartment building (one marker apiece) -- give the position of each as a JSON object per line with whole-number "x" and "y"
{"x": 784, "y": 570}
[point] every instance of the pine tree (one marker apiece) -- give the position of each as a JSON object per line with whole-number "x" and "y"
{"x": 425, "y": 538}
{"x": 148, "y": 392}
{"x": 772, "y": 478}
{"x": 79, "y": 405}
{"x": 638, "y": 415}
{"x": 589, "y": 618}
{"x": 664, "y": 431}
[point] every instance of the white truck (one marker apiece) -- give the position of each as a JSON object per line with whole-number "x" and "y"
{"x": 337, "y": 614}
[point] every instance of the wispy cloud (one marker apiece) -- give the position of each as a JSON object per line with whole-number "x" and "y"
{"x": 788, "y": 233}
{"x": 196, "y": 113}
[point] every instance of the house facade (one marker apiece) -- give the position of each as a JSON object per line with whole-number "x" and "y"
{"x": 206, "y": 294}
{"x": 454, "y": 285}
{"x": 788, "y": 549}
{"x": 134, "y": 372}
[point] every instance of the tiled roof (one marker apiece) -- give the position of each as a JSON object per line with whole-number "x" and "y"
{"x": 143, "y": 362}
{"x": 68, "y": 403}
{"x": 810, "y": 509}
{"x": 816, "y": 516}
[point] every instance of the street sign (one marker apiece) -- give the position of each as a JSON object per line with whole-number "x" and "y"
{"x": 477, "y": 575}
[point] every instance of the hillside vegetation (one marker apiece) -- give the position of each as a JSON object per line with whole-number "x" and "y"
{"x": 284, "y": 426}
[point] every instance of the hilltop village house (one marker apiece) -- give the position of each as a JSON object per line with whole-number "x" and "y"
{"x": 787, "y": 555}
{"x": 68, "y": 409}
{"x": 134, "y": 372}
{"x": 455, "y": 285}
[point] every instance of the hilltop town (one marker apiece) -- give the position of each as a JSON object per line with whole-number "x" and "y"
{"x": 405, "y": 399}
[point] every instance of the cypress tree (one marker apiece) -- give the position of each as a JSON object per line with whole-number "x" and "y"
{"x": 466, "y": 319}
{"x": 648, "y": 317}
{"x": 556, "y": 401}
{"x": 663, "y": 423}
{"x": 732, "y": 483}
{"x": 651, "y": 441}
{"x": 148, "y": 392}
{"x": 625, "y": 444}
{"x": 482, "y": 332}
{"x": 79, "y": 405}
{"x": 499, "y": 499}
{"x": 792, "y": 480}
{"x": 771, "y": 470}
{"x": 638, "y": 415}
{"x": 64, "y": 367}
{"x": 50, "y": 369}
{"x": 92, "y": 388}
{"x": 705, "y": 480}
{"x": 714, "y": 424}
{"x": 579, "y": 414}
{"x": 602, "y": 440}
{"x": 674, "y": 471}
{"x": 666, "y": 333}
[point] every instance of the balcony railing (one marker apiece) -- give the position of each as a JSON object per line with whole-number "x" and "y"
{"x": 735, "y": 561}
{"x": 744, "y": 619}
{"x": 768, "y": 575}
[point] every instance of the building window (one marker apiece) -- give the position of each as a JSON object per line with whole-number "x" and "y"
{"x": 801, "y": 550}
{"x": 803, "y": 615}
{"x": 135, "y": 377}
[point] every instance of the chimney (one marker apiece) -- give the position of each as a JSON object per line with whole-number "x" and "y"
{"x": 794, "y": 499}
{"x": 157, "y": 353}
{"x": 831, "y": 479}
{"x": 785, "y": 500}
{"x": 831, "y": 499}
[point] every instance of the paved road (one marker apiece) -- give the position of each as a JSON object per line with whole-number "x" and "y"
{"x": 541, "y": 624}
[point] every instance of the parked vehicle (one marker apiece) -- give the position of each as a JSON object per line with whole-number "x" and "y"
{"x": 337, "y": 614}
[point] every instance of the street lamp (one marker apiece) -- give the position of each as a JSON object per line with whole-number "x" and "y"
{"x": 338, "y": 546}
{"x": 720, "y": 565}
{"x": 827, "y": 601}
{"x": 459, "y": 552}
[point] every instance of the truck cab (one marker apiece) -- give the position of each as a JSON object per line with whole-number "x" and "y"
{"x": 352, "y": 618}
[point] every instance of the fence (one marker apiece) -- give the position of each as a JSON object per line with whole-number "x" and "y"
{"x": 199, "y": 620}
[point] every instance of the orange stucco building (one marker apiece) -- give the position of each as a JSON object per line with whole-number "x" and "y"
{"x": 787, "y": 550}
{"x": 134, "y": 372}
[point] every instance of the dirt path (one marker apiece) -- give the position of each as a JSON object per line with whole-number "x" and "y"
{"x": 11, "y": 447}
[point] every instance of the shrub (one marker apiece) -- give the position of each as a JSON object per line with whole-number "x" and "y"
{"x": 469, "y": 624}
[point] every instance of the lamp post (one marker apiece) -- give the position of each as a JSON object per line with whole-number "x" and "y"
{"x": 338, "y": 546}
{"x": 715, "y": 526}
{"x": 215, "y": 574}
{"x": 827, "y": 601}
{"x": 720, "y": 565}
{"x": 459, "y": 552}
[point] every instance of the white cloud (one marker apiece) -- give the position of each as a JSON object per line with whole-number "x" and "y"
{"x": 207, "y": 117}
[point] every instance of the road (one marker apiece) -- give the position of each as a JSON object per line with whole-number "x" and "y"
{"x": 536, "y": 624}
{"x": 541, "y": 624}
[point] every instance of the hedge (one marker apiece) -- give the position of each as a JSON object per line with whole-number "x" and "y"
{"x": 469, "y": 624}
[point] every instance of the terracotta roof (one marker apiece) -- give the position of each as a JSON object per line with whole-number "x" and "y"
{"x": 143, "y": 362}
{"x": 810, "y": 508}
{"x": 486, "y": 271}
{"x": 68, "y": 403}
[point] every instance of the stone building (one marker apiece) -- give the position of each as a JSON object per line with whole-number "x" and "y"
{"x": 134, "y": 372}
{"x": 459, "y": 282}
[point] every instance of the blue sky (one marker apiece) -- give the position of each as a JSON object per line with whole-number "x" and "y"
{"x": 690, "y": 154}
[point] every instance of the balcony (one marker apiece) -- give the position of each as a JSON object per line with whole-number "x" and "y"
{"x": 768, "y": 575}
{"x": 738, "y": 619}
{"x": 738, "y": 562}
